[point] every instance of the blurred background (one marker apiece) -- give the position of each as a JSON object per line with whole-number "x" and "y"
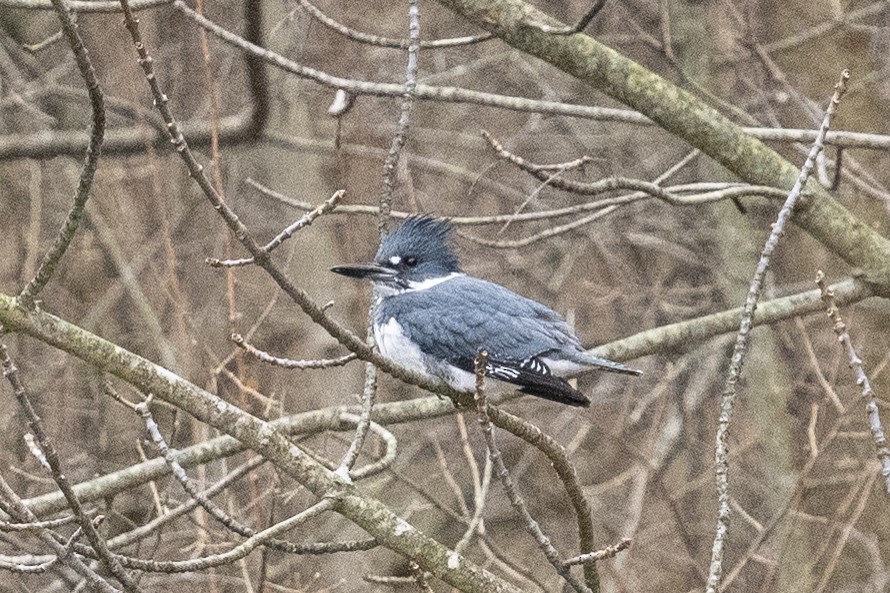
{"x": 809, "y": 511}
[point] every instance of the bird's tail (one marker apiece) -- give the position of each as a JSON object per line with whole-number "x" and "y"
{"x": 605, "y": 364}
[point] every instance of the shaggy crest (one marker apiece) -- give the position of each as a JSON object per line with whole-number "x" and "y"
{"x": 425, "y": 238}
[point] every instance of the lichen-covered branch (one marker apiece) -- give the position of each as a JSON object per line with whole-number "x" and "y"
{"x": 518, "y": 23}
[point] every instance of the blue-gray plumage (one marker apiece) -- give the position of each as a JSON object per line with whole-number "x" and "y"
{"x": 433, "y": 318}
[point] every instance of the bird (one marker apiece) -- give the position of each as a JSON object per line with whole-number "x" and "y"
{"x": 433, "y": 318}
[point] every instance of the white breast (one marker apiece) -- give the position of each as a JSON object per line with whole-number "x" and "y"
{"x": 394, "y": 344}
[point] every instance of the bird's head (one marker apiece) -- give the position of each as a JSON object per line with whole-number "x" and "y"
{"x": 418, "y": 251}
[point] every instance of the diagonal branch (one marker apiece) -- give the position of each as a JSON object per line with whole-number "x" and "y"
{"x": 368, "y": 513}
{"x": 721, "y": 454}
{"x": 684, "y": 115}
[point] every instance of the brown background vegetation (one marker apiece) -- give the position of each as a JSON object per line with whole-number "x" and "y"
{"x": 644, "y": 450}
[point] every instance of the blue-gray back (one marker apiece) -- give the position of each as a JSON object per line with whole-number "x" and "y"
{"x": 455, "y": 319}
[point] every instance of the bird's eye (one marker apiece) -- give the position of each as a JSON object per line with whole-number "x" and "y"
{"x": 410, "y": 261}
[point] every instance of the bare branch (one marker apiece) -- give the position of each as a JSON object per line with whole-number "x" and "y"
{"x": 531, "y": 525}
{"x": 741, "y": 346}
{"x": 13, "y": 505}
{"x": 384, "y": 41}
{"x": 10, "y": 371}
{"x": 325, "y": 207}
{"x": 868, "y": 394}
{"x": 288, "y": 363}
{"x": 608, "y": 552}
{"x": 90, "y": 161}
{"x": 398, "y": 140}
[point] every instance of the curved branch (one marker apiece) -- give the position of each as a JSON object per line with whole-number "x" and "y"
{"x": 90, "y": 161}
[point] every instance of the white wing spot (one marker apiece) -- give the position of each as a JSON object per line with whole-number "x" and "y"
{"x": 395, "y": 260}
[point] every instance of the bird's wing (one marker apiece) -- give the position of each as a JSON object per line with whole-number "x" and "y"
{"x": 533, "y": 382}
{"x": 455, "y": 319}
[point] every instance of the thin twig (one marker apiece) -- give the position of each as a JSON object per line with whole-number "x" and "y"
{"x": 260, "y": 538}
{"x": 608, "y": 552}
{"x": 420, "y": 577}
{"x": 721, "y": 453}
{"x": 385, "y": 41}
{"x": 35, "y": 424}
{"x": 516, "y": 500}
{"x": 579, "y": 26}
{"x": 14, "y": 506}
{"x": 586, "y": 189}
{"x": 35, "y": 525}
{"x": 33, "y": 48}
{"x": 288, "y": 363}
{"x": 87, "y": 6}
{"x": 698, "y": 193}
{"x": 871, "y": 406}
{"x": 90, "y": 161}
{"x": 233, "y": 524}
{"x": 325, "y": 207}
{"x": 401, "y": 135}
{"x": 369, "y": 393}
{"x": 559, "y": 460}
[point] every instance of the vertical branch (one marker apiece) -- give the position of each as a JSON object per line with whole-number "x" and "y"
{"x": 90, "y": 162}
{"x": 398, "y": 141}
{"x": 369, "y": 393}
{"x": 721, "y": 453}
{"x": 516, "y": 500}
{"x": 871, "y": 406}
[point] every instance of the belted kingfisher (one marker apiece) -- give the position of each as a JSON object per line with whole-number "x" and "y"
{"x": 432, "y": 318}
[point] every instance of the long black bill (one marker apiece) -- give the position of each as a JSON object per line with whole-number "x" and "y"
{"x": 366, "y": 271}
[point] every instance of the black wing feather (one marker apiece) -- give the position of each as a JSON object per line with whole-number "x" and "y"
{"x": 534, "y": 383}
